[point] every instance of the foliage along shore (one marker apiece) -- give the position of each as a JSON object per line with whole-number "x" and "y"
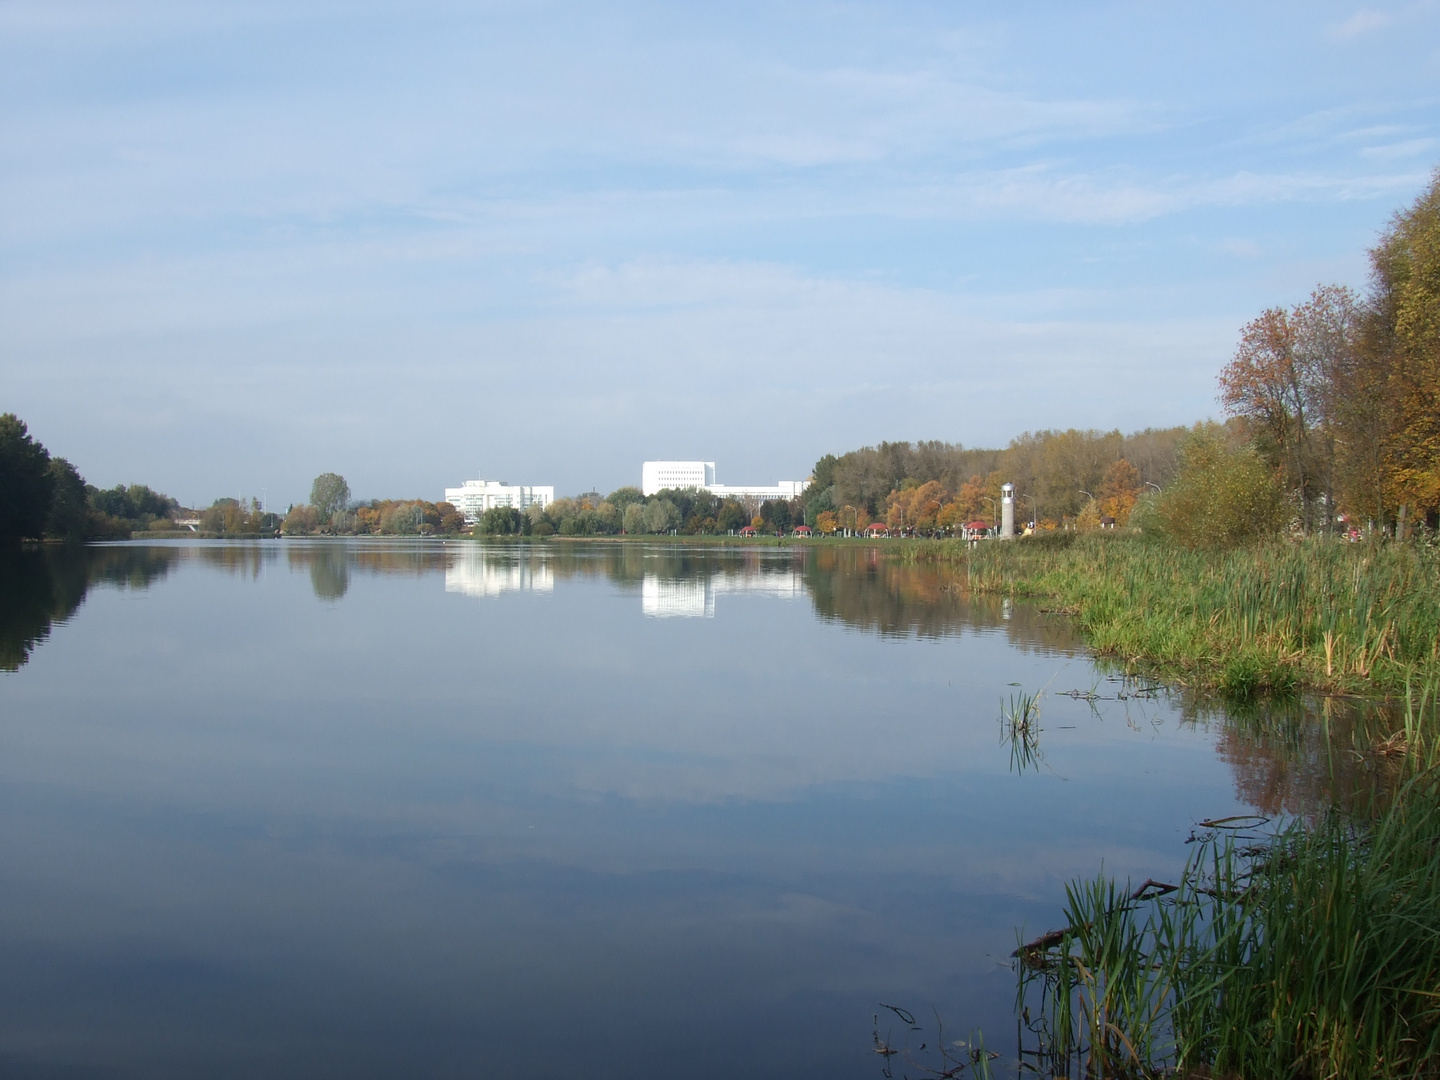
{"x": 1279, "y": 617}
{"x": 1310, "y": 952}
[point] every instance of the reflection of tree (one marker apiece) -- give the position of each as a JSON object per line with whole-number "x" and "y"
{"x": 41, "y": 587}
{"x": 235, "y": 558}
{"x": 1301, "y": 756}
{"x": 863, "y": 588}
{"x": 328, "y": 575}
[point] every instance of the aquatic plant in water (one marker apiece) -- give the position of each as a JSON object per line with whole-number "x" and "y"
{"x": 1312, "y": 951}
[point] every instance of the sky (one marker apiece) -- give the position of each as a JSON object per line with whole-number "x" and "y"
{"x": 245, "y": 243}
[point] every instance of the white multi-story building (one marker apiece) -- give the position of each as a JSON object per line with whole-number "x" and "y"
{"x": 658, "y": 475}
{"x": 476, "y": 496}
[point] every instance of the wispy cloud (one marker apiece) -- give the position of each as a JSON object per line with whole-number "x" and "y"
{"x": 1362, "y": 22}
{"x": 1408, "y": 148}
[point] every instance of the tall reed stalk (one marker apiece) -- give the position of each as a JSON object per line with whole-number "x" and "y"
{"x": 1314, "y": 953}
{"x": 1319, "y": 613}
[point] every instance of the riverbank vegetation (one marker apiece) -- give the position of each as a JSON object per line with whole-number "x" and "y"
{"x": 1313, "y": 951}
{"x": 1270, "y": 617}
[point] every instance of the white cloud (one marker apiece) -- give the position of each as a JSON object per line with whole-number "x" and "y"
{"x": 1393, "y": 151}
{"x": 1362, "y": 22}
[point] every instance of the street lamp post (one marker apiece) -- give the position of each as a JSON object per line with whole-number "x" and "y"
{"x": 994, "y": 510}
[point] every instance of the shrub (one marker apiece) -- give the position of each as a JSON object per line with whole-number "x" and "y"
{"x": 1223, "y": 496}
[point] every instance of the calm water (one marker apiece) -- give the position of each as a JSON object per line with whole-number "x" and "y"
{"x": 368, "y": 809}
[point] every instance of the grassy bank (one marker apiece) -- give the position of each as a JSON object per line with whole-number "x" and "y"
{"x": 1313, "y": 952}
{"x": 1319, "y": 614}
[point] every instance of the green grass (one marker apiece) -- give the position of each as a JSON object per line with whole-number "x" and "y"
{"x": 1317, "y": 614}
{"x": 1313, "y": 953}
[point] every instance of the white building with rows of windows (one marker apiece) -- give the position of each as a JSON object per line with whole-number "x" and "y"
{"x": 474, "y": 497}
{"x": 659, "y": 475}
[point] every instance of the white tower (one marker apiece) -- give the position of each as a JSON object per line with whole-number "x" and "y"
{"x": 1007, "y": 511}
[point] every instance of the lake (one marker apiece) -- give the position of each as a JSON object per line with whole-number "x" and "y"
{"x": 435, "y": 809}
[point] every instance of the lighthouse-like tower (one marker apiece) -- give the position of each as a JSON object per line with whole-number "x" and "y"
{"x": 1007, "y": 511}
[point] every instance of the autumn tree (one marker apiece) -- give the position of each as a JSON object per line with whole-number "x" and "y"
{"x": 1264, "y": 383}
{"x": 1119, "y": 491}
{"x": 1404, "y": 351}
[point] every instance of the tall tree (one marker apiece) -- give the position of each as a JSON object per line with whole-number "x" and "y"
{"x": 25, "y": 481}
{"x": 1405, "y": 299}
{"x": 329, "y": 494}
{"x": 1327, "y": 336}
{"x": 69, "y": 515}
{"x": 1264, "y": 384}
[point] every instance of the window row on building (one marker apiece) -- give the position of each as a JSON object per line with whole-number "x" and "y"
{"x": 659, "y": 475}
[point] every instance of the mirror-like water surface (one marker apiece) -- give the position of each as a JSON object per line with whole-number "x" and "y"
{"x": 613, "y": 810}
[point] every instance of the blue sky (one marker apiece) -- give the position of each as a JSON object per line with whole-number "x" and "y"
{"x": 244, "y": 243}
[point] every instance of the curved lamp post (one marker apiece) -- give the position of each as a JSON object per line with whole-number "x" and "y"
{"x": 994, "y": 510}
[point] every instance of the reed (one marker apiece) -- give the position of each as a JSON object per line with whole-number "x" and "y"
{"x": 1317, "y": 614}
{"x": 1312, "y": 953}
{"x": 1020, "y": 727}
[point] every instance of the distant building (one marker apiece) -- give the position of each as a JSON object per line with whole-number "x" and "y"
{"x": 659, "y": 475}
{"x": 476, "y": 496}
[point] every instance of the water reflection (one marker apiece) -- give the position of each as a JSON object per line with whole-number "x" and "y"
{"x": 1287, "y": 757}
{"x": 857, "y": 586}
{"x": 478, "y": 573}
{"x": 388, "y": 809}
{"x": 43, "y": 586}
{"x": 1298, "y": 756}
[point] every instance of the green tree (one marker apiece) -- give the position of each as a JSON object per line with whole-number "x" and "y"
{"x": 731, "y": 515}
{"x": 502, "y": 521}
{"x": 633, "y": 518}
{"x": 328, "y": 494}
{"x": 661, "y": 516}
{"x": 25, "y": 482}
{"x": 625, "y": 496}
{"x": 69, "y": 515}
{"x": 1223, "y": 495}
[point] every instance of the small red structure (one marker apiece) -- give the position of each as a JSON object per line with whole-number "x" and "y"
{"x": 748, "y": 530}
{"x": 976, "y": 526}
{"x": 802, "y": 530}
{"x": 877, "y": 528}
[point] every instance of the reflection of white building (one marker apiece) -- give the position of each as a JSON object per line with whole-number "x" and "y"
{"x": 486, "y": 573}
{"x": 658, "y": 475}
{"x": 694, "y": 598}
{"x": 684, "y": 598}
{"x": 474, "y": 497}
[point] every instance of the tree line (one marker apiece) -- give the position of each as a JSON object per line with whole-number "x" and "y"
{"x": 44, "y": 497}
{"x": 1341, "y": 394}
{"x": 1061, "y": 478}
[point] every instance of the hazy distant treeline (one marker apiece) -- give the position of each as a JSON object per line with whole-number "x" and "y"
{"x": 1057, "y": 476}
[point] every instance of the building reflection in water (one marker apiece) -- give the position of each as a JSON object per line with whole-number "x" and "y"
{"x": 480, "y": 573}
{"x": 663, "y": 597}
